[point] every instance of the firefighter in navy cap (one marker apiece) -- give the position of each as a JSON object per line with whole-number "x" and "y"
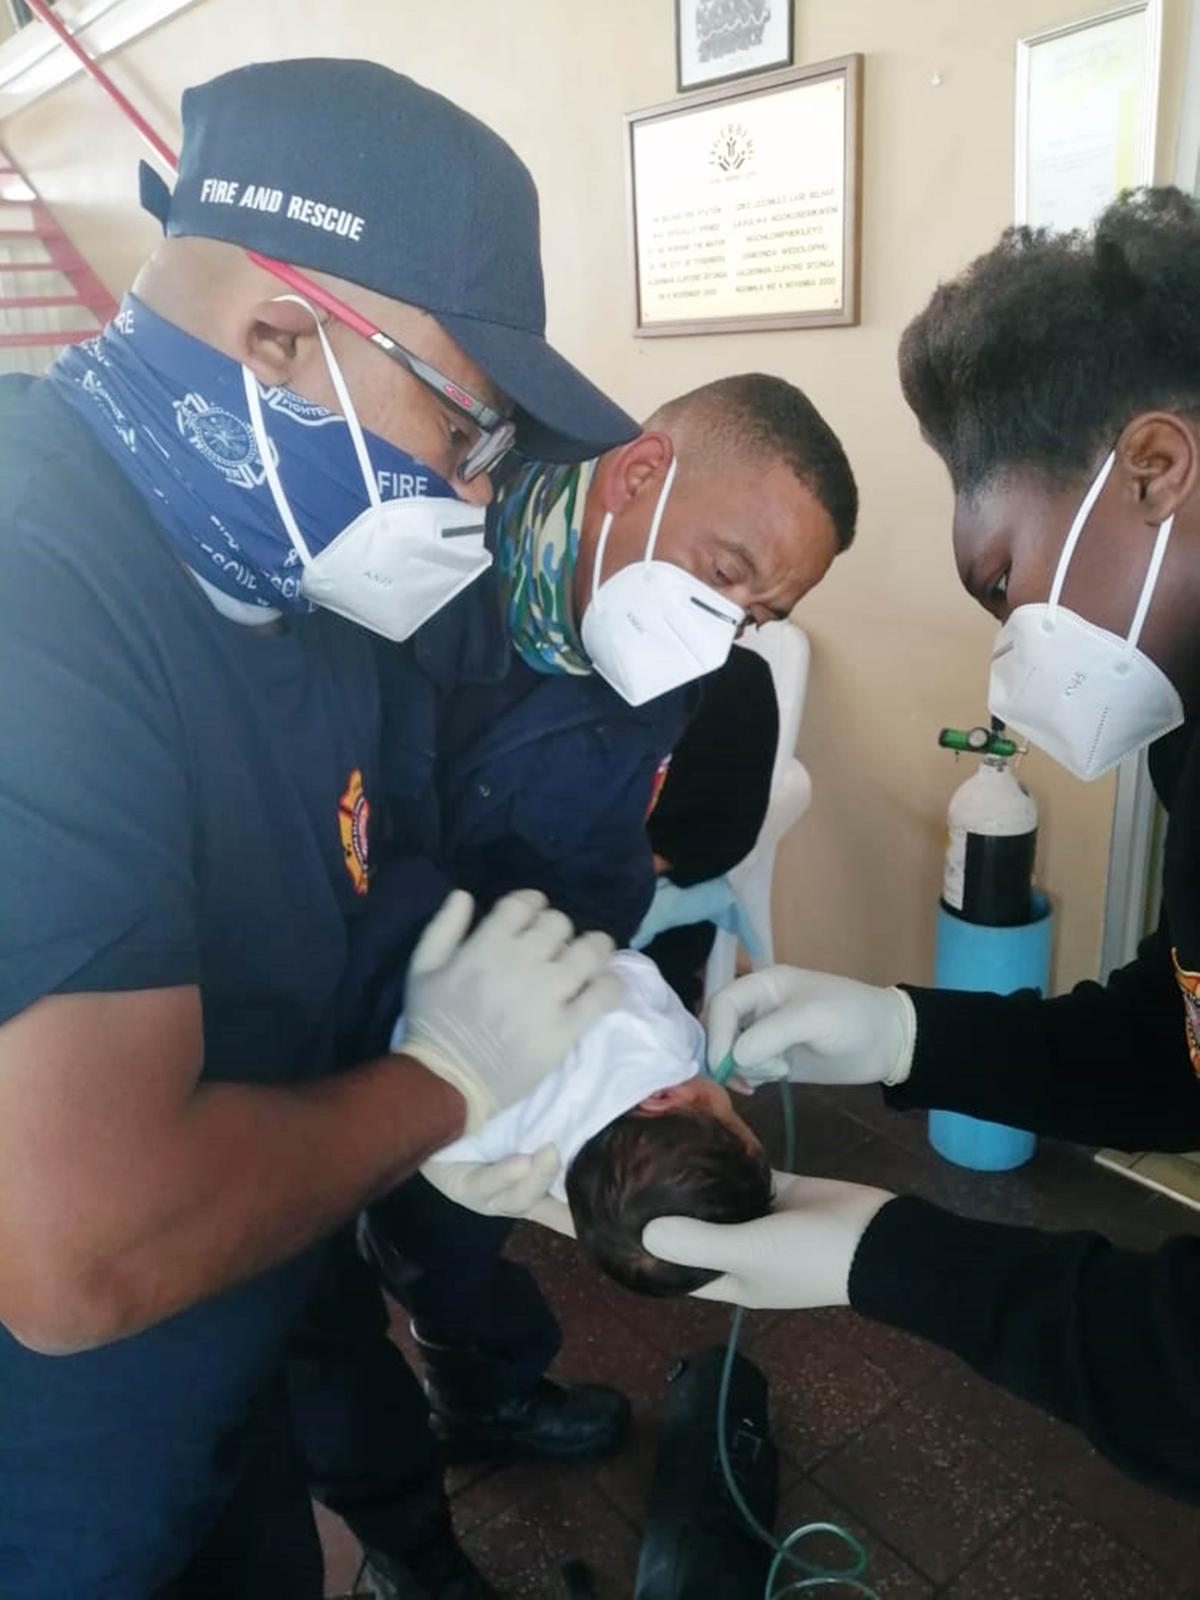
{"x": 211, "y": 510}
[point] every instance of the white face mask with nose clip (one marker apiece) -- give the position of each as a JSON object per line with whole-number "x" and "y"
{"x": 1085, "y": 696}
{"x": 399, "y": 561}
{"x": 651, "y": 626}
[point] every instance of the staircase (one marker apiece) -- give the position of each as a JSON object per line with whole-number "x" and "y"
{"x": 49, "y": 296}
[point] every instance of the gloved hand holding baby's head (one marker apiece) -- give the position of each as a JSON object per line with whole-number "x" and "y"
{"x": 684, "y": 1151}
{"x": 626, "y": 1128}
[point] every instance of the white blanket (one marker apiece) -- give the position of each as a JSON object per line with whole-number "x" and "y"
{"x": 649, "y": 1042}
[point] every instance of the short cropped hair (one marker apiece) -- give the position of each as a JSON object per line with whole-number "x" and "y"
{"x": 1041, "y": 351}
{"x": 756, "y": 416}
{"x": 682, "y": 1163}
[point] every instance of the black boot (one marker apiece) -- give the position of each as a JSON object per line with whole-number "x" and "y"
{"x": 475, "y": 1420}
{"x": 439, "y": 1570}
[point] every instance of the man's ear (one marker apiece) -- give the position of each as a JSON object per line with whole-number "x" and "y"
{"x": 275, "y": 340}
{"x": 631, "y": 467}
{"x": 1158, "y": 454}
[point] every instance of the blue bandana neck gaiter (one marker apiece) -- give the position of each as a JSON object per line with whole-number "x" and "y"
{"x": 172, "y": 413}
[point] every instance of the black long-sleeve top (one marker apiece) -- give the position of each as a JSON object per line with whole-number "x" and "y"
{"x": 1108, "y": 1339}
{"x": 712, "y": 804}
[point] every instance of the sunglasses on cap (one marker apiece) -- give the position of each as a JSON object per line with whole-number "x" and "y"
{"x": 494, "y": 432}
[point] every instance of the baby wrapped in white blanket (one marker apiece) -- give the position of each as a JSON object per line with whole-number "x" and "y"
{"x": 640, "y": 1130}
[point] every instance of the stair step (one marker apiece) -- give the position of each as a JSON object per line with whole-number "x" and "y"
{"x": 67, "y": 280}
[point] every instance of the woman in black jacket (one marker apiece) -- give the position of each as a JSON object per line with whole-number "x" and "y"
{"x": 1059, "y": 380}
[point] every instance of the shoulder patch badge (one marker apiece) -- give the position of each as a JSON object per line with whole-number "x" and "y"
{"x": 1189, "y": 987}
{"x": 354, "y": 818}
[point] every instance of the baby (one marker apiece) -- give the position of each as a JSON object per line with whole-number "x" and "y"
{"x": 641, "y": 1133}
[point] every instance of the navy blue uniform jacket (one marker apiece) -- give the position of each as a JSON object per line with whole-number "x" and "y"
{"x": 496, "y": 777}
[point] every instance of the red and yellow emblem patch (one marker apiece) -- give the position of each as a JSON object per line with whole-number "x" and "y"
{"x": 1189, "y": 987}
{"x": 656, "y": 788}
{"x": 354, "y": 819}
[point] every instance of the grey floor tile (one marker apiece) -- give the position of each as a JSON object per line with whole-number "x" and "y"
{"x": 865, "y": 1105}
{"x": 1059, "y": 1462}
{"x": 1040, "y": 1447}
{"x": 1061, "y": 1189}
{"x": 578, "y": 1289}
{"x": 921, "y": 1479}
{"x": 499, "y": 1489}
{"x": 824, "y": 1390}
{"x": 888, "y": 1573}
{"x": 680, "y": 1327}
{"x": 625, "y": 1478}
{"x": 909, "y": 1361}
{"x": 824, "y": 1133}
{"x": 522, "y": 1549}
{"x": 1053, "y": 1552}
{"x": 1164, "y": 1531}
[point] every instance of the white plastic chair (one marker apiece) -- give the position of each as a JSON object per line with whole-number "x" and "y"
{"x": 740, "y": 902}
{"x": 786, "y": 651}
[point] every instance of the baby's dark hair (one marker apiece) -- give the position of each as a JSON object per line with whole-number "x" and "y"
{"x": 1041, "y": 351}
{"x": 682, "y": 1163}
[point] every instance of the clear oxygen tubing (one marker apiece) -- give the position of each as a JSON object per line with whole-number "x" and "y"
{"x": 791, "y": 1573}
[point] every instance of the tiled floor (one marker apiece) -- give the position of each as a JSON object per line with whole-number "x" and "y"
{"x": 957, "y": 1489}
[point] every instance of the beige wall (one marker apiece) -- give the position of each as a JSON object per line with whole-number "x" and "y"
{"x": 898, "y": 649}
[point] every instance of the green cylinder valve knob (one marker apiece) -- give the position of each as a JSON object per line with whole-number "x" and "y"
{"x": 978, "y": 742}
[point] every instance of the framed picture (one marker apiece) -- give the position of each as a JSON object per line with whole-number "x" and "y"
{"x": 716, "y": 40}
{"x": 744, "y": 204}
{"x": 1087, "y": 114}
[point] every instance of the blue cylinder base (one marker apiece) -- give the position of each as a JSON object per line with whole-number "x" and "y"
{"x": 995, "y": 961}
{"x": 983, "y": 1146}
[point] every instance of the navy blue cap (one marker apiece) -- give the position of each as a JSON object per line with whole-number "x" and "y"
{"x": 349, "y": 168}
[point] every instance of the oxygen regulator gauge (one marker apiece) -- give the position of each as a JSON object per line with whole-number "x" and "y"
{"x": 979, "y": 741}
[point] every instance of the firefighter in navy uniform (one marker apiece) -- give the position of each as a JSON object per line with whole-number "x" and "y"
{"x": 512, "y": 756}
{"x": 190, "y": 751}
{"x": 1059, "y": 380}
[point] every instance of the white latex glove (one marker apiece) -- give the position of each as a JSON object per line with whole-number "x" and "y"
{"x": 494, "y": 1013}
{"x": 508, "y": 1188}
{"x": 813, "y": 1028}
{"x": 797, "y": 1258}
{"x": 518, "y": 1186}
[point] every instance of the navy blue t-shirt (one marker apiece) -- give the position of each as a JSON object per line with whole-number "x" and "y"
{"x": 182, "y": 801}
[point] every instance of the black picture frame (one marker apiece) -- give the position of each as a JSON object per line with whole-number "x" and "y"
{"x": 770, "y": 63}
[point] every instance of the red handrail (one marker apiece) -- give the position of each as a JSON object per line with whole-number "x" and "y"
{"x": 94, "y": 71}
{"x": 279, "y": 269}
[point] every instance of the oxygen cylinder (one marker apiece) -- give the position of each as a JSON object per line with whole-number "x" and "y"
{"x": 993, "y": 931}
{"x": 988, "y": 877}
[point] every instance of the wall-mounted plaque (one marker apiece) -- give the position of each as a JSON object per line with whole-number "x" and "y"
{"x": 744, "y": 204}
